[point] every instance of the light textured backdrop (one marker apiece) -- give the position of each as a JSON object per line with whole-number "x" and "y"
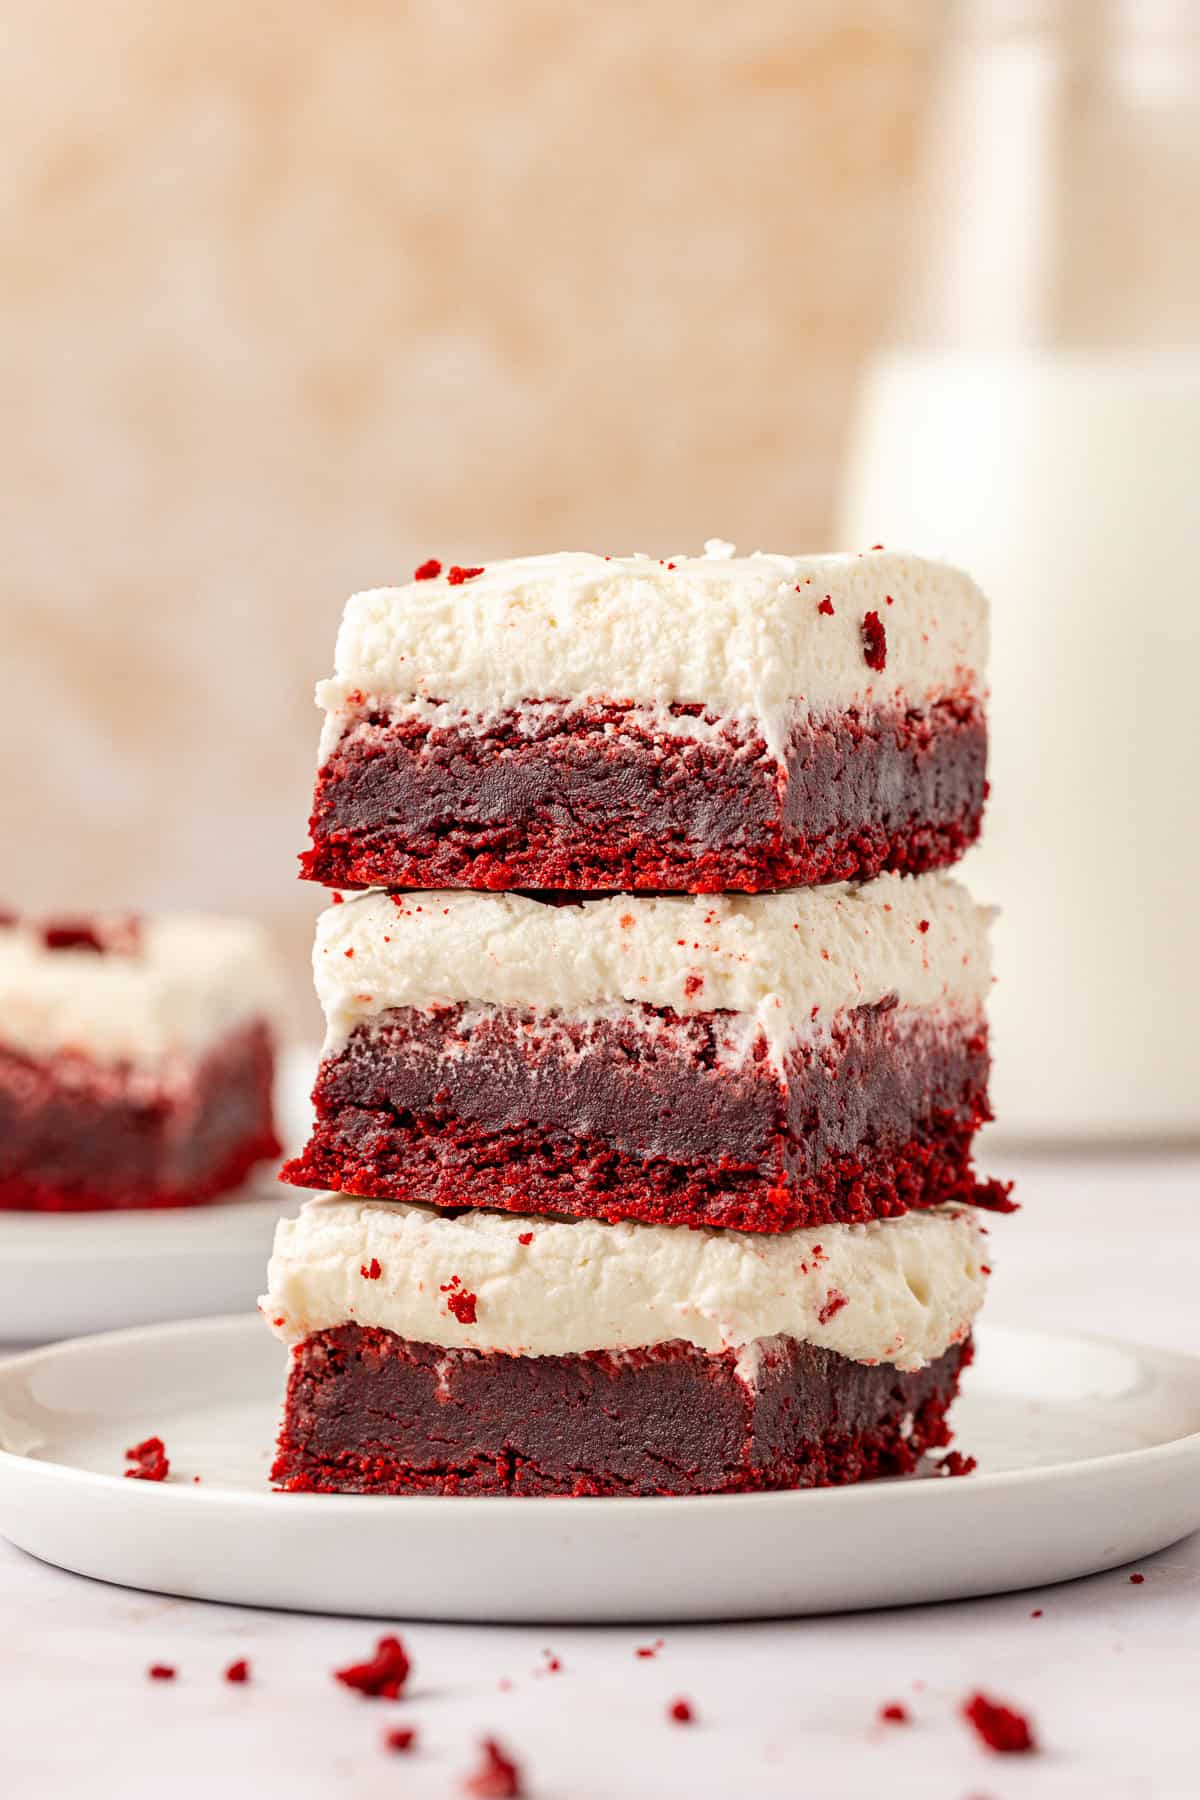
{"x": 297, "y": 295}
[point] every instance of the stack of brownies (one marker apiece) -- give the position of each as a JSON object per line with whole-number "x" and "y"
{"x": 657, "y": 1046}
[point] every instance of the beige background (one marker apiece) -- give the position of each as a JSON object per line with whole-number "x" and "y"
{"x": 295, "y": 296}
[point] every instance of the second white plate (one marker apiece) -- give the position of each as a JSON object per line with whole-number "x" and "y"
{"x": 1089, "y": 1455}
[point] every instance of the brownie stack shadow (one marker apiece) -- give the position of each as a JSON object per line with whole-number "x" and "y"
{"x": 656, "y": 1039}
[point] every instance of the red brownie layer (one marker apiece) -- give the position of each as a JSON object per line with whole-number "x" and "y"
{"x": 651, "y": 1116}
{"x": 592, "y": 799}
{"x": 370, "y": 1412}
{"x": 84, "y": 1136}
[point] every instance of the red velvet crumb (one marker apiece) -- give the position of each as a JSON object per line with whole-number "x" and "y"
{"x": 161, "y": 1672}
{"x": 383, "y": 1676}
{"x": 834, "y": 1302}
{"x": 649, "y": 1649}
{"x": 1137, "y": 1580}
{"x": 121, "y": 937}
{"x": 8, "y": 918}
{"x": 238, "y": 1672}
{"x": 427, "y": 571}
{"x": 150, "y": 1461}
{"x": 682, "y": 1712}
{"x": 349, "y": 952}
{"x": 826, "y": 606}
{"x": 874, "y": 641}
{"x": 401, "y": 1739}
{"x": 1001, "y": 1729}
{"x": 922, "y": 925}
{"x": 525, "y": 1237}
{"x": 895, "y": 1714}
{"x": 1036, "y": 1613}
{"x": 692, "y": 985}
{"x": 955, "y": 1463}
{"x": 370, "y": 1271}
{"x": 337, "y": 899}
{"x": 457, "y": 576}
{"x": 458, "y": 1301}
{"x": 497, "y": 1777}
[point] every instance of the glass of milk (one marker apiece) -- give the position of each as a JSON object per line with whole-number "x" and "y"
{"x": 1036, "y": 418}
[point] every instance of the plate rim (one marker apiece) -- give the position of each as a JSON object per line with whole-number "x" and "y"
{"x": 14, "y": 1464}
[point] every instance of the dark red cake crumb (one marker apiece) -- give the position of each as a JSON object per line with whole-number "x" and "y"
{"x": 895, "y": 1714}
{"x": 649, "y": 1649}
{"x": 458, "y": 1301}
{"x": 1007, "y": 1732}
{"x": 922, "y": 925}
{"x": 955, "y": 1463}
{"x": 692, "y": 985}
{"x": 553, "y": 1663}
{"x": 427, "y": 571}
{"x": 1036, "y": 1613}
{"x": 370, "y": 1271}
{"x": 383, "y": 1676}
{"x": 1137, "y": 1580}
{"x": 121, "y": 937}
{"x": 337, "y": 899}
{"x": 8, "y": 918}
{"x": 525, "y": 1237}
{"x": 874, "y": 639}
{"x": 826, "y": 606}
{"x": 150, "y": 1461}
{"x": 402, "y": 1738}
{"x": 457, "y": 576}
{"x": 682, "y": 1712}
{"x": 238, "y": 1672}
{"x": 834, "y": 1302}
{"x": 497, "y": 1777}
{"x": 161, "y": 1672}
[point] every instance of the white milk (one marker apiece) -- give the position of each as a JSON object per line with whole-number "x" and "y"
{"x": 1067, "y": 483}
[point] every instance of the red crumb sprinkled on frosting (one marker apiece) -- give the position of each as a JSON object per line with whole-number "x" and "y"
{"x": 895, "y": 1714}
{"x": 150, "y": 1461}
{"x": 525, "y": 1237}
{"x": 370, "y": 1271}
{"x": 8, "y": 918}
{"x": 834, "y": 1302}
{"x": 874, "y": 640}
{"x": 349, "y": 952}
{"x": 458, "y": 1301}
{"x": 238, "y": 1672}
{"x": 826, "y": 606}
{"x": 161, "y": 1672}
{"x": 1036, "y": 1613}
{"x": 649, "y": 1649}
{"x": 427, "y": 571}
{"x": 553, "y": 1663}
{"x": 383, "y": 1676}
{"x": 1137, "y": 1580}
{"x": 955, "y": 1463}
{"x": 121, "y": 937}
{"x": 1007, "y": 1732}
{"x": 692, "y": 985}
{"x": 682, "y": 1711}
{"x": 400, "y": 1739}
{"x": 922, "y": 925}
{"x": 888, "y": 599}
{"x": 497, "y": 1777}
{"x": 337, "y": 899}
{"x": 457, "y": 576}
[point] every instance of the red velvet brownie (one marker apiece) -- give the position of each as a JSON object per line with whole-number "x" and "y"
{"x": 696, "y": 724}
{"x": 136, "y": 1062}
{"x": 478, "y": 1354}
{"x": 757, "y": 1062}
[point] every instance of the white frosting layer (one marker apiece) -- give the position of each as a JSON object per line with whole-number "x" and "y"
{"x": 192, "y": 979}
{"x": 774, "y": 957}
{"x": 740, "y": 635}
{"x": 899, "y": 1291}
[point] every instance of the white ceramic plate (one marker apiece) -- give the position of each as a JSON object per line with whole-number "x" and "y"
{"x": 65, "y": 1273}
{"x": 1089, "y": 1456}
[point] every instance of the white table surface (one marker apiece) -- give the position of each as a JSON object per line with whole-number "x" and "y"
{"x": 1110, "y": 1674}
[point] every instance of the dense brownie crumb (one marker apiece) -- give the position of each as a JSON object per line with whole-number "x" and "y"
{"x": 1007, "y": 1732}
{"x": 150, "y": 1461}
{"x": 383, "y": 1676}
{"x": 497, "y": 1777}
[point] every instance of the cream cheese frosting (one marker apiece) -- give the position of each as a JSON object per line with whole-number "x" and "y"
{"x": 741, "y": 636}
{"x": 898, "y": 1291}
{"x": 192, "y": 978}
{"x": 785, "y": 960}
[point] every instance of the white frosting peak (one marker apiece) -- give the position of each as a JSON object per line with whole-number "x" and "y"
{"x": 898, "y": 1290}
